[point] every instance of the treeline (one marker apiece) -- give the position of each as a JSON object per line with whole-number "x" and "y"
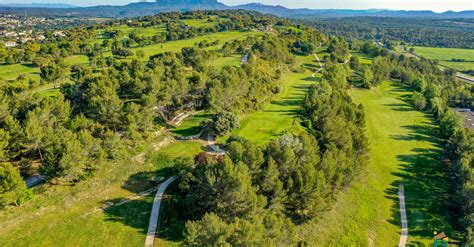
{"x": 421, "y": 31}
{"x": 438, "y": 91}
{"x": 257, "y": 195}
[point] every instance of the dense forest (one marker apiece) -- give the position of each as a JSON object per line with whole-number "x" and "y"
{"x": 421, "y": 31}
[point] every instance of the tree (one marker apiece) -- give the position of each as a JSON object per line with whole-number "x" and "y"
{"x": 418, "y": 101}
{"x": 354, "y": 63}
{"x": 140, "y": 54}
{"x": 121, "y": 52}
{"x": 53, "y": 73}
{"x": 222, "y": 123}
{"x": 367, "y": 77}
{"x": 12, "y": 187}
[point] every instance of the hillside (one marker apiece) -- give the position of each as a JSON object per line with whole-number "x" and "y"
{"x": 267, "y": 131}
{"x": 140, "y": 9}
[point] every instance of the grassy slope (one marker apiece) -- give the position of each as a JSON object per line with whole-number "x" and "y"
{"x": 444, "y": 55}
{"x": 72, "y": 216}
{"x": 403, "y": 149}
{"x": 264, "y": 125}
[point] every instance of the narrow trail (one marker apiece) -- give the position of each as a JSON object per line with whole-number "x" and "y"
{"x": 155, "y": 212}
{"x": 320, "y": 65}
{"x": 212, "y": 144}
{"x": 403, "y": 217}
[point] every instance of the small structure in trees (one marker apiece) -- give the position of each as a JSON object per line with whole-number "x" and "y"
{"x": 440, "y": 239}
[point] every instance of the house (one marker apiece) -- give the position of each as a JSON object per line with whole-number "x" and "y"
{"x": 10, "y": 44}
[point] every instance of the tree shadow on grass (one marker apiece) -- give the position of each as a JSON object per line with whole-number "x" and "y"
{"x": 134, "y": 211}
{"x": 400, "y": 107}
{"x": 426, "y": 188}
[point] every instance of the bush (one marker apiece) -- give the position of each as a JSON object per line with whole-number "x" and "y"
{"x": 12, "y": 187}
{"x": 222, "y": 123}
{"x": 418, "y": 101}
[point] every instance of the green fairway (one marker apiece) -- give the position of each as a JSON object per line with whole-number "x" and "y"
{"x": 192, "y": 124}
{"x": 404, "y": 149}
{"x": 12, "y": 71}
{"x": 445, "y": 56}
{"x": 264, "y": 125}
{"x": 176, "y": 46}
{"x": 103, "y": 211}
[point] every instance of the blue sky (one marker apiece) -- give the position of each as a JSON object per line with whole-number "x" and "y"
{"x": 435, "y": 5}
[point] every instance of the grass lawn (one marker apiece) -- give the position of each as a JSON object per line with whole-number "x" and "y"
{"x": 12, "y": 71}
{"x": 102, "y": 211}
{"x": 404, "y": 149}
{"x": 444, "y": 55}
{"x": 280, "y": 115}
{"x": 177, "y": 45}
{"x": 192, "y": 124}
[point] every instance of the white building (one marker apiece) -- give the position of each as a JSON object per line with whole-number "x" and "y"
{"x": 10, "y": 44}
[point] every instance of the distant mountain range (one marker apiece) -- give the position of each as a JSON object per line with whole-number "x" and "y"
{"x": 143, "y": 8}
{"x": 38, "y": 5}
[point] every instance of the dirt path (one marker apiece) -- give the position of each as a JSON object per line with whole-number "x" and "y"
{"x": 320, "y": 65}
{"x": 155, "y": 212}
{"x": 403, "y": 217}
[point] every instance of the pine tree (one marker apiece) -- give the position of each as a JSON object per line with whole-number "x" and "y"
{"x": 12, "y": 187}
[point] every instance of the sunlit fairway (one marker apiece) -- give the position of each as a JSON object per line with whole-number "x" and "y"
{"x": 281, "y": 114}
{"x": 445, "y": 56}
{"x": 12, "y": 71}
{"x": 404, "y": 149}
{"x": 102, "y": 211}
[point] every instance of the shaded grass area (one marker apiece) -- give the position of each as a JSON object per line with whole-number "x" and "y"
{"x": 192, "y": 124}
{"x": 281, "y": 114}
{"x": 404, "y": 149}
{"x": 103, "y": 211}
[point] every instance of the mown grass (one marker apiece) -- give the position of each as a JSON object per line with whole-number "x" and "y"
{"x": 12, "y": 71}
{"x": 281, "y": 114}
{"x": 192, "y": 124}
{"x": 403, "y": 149}
{"x": 445, "y": 55}
{"x": 177, "y": 45}
{"x": 101, "y": 211}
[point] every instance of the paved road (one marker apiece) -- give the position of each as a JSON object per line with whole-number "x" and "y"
{"x": 403, "y": 217}
{"x": 155, "y": 212}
